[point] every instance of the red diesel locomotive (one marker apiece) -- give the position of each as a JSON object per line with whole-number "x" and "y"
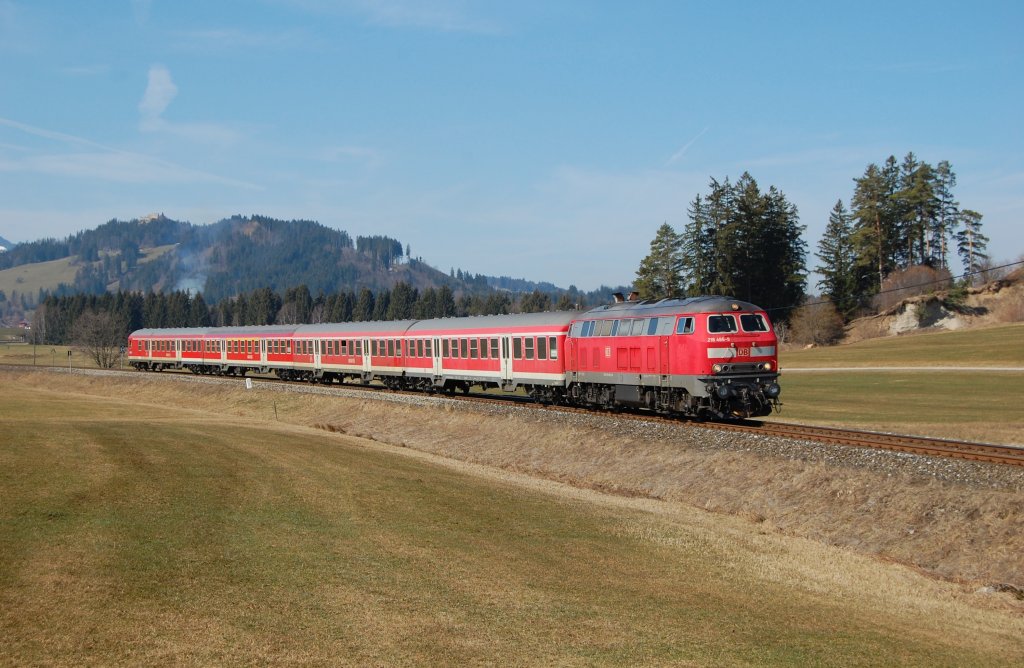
{"x": 702, "y": 357}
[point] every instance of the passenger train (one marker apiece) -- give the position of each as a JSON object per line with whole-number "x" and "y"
{"x": 704, "y": 357}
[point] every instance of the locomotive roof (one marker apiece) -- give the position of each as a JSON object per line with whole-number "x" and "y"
{"x": 647, "y": 308}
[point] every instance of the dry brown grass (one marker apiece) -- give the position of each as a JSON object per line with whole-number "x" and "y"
{"x": 955, "y": 531}
{"x": 150, "y": 529}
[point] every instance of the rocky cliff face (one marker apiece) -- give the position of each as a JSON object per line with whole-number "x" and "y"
{"x": 997, "y": 302}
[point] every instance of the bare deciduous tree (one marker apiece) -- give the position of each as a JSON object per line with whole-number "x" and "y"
{"x": 101, "y": 336}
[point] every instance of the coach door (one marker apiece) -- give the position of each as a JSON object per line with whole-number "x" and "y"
{"x": 366, "y": 356}
{"x": 436, "y": 355}
{"x": 506, "y": 360}
{"x": 316, "y": 353}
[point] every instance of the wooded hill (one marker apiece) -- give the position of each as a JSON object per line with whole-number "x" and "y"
{"x": 239, "y": 255}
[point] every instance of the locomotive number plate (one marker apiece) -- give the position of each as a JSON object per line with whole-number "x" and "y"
{"x": 742, "y": 351}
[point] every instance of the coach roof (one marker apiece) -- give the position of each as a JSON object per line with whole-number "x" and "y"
{"x": 513, "y": 321}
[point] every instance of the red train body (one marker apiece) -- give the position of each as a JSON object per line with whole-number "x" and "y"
{"x": 701, "y": 357}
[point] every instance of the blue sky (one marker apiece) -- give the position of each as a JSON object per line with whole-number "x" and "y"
{"x": 545, "y": 140}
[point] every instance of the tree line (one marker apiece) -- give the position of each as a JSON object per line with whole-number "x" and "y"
{"x": 743, "y": 242}
{"x": 738, "y": 241}
{"x": 902, "y": 215}
{"x": 57, "y": 320}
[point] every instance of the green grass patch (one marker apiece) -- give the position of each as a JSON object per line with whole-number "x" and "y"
{"x": 28, "y": 279}
{"x": 971, "y": 405}
{"x": 132, "y": 533}
{"x": 992, "y": 346}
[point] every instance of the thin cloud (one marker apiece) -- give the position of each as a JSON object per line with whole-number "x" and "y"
{"x": 369, "y": 156}
{"x": 437, "y": 15}
{"x": 681, "y": 152}
{"x": 216, "y": 39}
{"x": 87, "y": 159}
{"x": 160, "y": 92}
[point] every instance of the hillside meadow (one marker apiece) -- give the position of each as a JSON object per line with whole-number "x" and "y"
{"x": 144, "y": 528}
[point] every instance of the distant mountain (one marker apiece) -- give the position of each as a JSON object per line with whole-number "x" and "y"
{"x": 235, "y": 255}
{"x": 239, "y": 255}
{"x": 5, "y": 244}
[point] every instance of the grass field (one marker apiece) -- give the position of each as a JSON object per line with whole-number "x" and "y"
{"x": 974, "y": 406}
{"x": 135, "y": 535}
{"x": 969, "y": 404}
{"x": 991, "y": 346}
{"x": 27, "y": 279}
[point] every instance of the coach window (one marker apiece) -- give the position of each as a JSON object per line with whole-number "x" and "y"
{"x": 553, "y": 347}
{"x": 473, "y": 350}
{"x": 542, "y": 347}
{"x": 494, "y": 348}
{"x": 529, "y": 347}
{"x": 684, "y": 326}
{"x": 517, "y": 348}
{"x": 464, "y": 348}
{"x": 445, "y": 349}
{"x": 721, "y": 324}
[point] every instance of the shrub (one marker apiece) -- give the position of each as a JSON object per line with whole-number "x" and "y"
{"x": 817, "y": 321}
{"x": 905, "y": 283}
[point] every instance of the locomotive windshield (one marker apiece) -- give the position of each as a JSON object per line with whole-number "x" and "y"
{"x": 753, "y": 322}
{"x": 721, "y": 324}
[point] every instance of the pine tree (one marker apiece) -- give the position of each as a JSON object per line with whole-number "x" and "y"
{"x": 363, "y": 309}
{"x": 698, "y": 249}
{"x": 661, "y": 273}
{"x": 947, "y": 210}
{"x": 971, "y": 243}
{"x": 873, "y": 229}
{"x": 839, "y": 262}
{"x": 919, "y": 210}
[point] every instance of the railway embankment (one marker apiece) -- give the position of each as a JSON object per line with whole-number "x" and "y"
{"x": 954, "y": 519}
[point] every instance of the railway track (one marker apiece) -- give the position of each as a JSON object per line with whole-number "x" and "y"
{"x": 934, "y": 447}
{"x": 920, "y": 445}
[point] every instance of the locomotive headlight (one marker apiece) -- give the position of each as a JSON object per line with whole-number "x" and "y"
{"x": 767, "y": 366}
{"x": 717, "y": 368}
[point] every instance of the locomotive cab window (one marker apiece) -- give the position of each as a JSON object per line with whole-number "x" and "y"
{"x": 753, "y": 322}
{"x": 721, "y": 324}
